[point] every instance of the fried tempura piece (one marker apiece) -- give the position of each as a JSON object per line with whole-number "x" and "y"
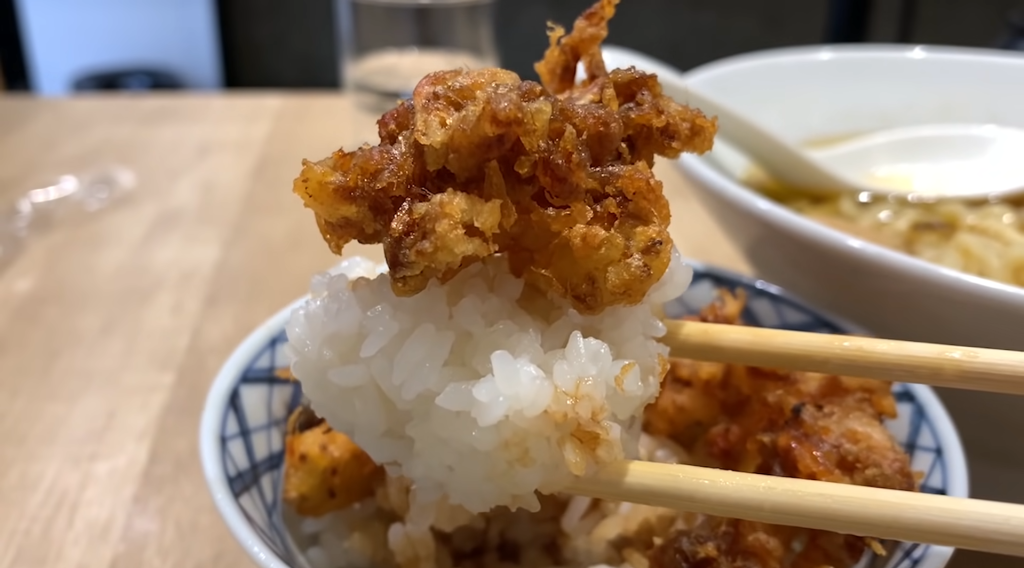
{"x": 730, "y": 543}
{"x": 285, "y": 374}
{"x": 802, "y": 425}
{"x": 805, "y": 425}
{"x": 724, "y": 543}
{"x": 481, "y": 162}
{"x": 324, "y": 470}
{"x": 689, "y": 404}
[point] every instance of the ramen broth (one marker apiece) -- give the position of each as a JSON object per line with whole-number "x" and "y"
{"x": 983, "y": 238}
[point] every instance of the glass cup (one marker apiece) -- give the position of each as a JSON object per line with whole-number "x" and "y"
{"x": 387, "y": 46}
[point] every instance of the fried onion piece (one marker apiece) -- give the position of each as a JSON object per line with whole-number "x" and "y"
{"x": 481, "y": 162}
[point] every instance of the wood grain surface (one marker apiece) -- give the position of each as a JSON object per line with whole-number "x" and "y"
{"x": 114, "y": 324}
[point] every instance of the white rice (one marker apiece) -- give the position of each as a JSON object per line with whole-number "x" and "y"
{"x": 477, "y": 392}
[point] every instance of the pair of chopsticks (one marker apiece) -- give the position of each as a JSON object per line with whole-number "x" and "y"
{"x": 863, "y": 511}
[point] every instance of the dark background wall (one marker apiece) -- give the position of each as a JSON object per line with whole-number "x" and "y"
{"x": 291, "y": 43}
{"x": 270, "y": 43}
{"x": 683, "y": 32}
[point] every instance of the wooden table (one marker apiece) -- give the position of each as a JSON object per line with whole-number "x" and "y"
{"x": 114, "y": 325}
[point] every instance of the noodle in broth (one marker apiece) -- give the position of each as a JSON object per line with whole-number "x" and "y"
{"x": 981, "y": 238}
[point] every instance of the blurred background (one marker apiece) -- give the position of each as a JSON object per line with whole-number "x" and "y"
{"x": 57, "y": 47}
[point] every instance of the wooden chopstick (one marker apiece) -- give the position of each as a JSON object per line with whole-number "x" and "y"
{"x": 849, "y": 509}
{"x": 992, "y": 370}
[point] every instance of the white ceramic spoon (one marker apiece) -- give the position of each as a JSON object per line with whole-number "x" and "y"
{"x": 938, "y": 160}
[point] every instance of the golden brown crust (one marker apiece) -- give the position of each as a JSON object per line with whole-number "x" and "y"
{"x": 481, "y": 162}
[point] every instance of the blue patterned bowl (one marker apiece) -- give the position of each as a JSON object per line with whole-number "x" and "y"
{"x": 242, "y": 432}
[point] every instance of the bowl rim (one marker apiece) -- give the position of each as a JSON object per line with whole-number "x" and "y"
{"x": 210, "y": 449}
{"x": 835, "y": 51}
{"x": 216, "y": 403}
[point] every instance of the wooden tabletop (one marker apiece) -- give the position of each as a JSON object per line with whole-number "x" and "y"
{"x": 115, "y": 324}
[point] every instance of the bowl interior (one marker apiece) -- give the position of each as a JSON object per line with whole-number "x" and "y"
{"x": 242, "y": 435}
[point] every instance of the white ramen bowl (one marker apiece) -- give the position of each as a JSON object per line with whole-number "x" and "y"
{"x": 813, "y": 93}
{"x": 242, "y": 432}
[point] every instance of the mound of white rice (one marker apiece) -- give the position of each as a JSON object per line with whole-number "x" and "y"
{"x": 478, "y": 392}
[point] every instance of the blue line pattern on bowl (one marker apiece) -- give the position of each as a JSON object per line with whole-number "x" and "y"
{"x": 252, "y": 433}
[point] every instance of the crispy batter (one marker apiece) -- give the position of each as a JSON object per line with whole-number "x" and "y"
{"x": 724, "y": 543}
{"x": 557, "y": 177}
{"x": 324, "y": 470}
{"x": 557, "y": 71}
{"x": 729, "y": 543}
{"x": 802, "y": 425}
{"x": 805, "y": 425}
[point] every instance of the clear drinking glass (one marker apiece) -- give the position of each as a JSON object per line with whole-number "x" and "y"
{"x": 387, "y": 46}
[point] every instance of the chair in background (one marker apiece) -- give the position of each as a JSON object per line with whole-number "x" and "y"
{"x": 128, "y": 80}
